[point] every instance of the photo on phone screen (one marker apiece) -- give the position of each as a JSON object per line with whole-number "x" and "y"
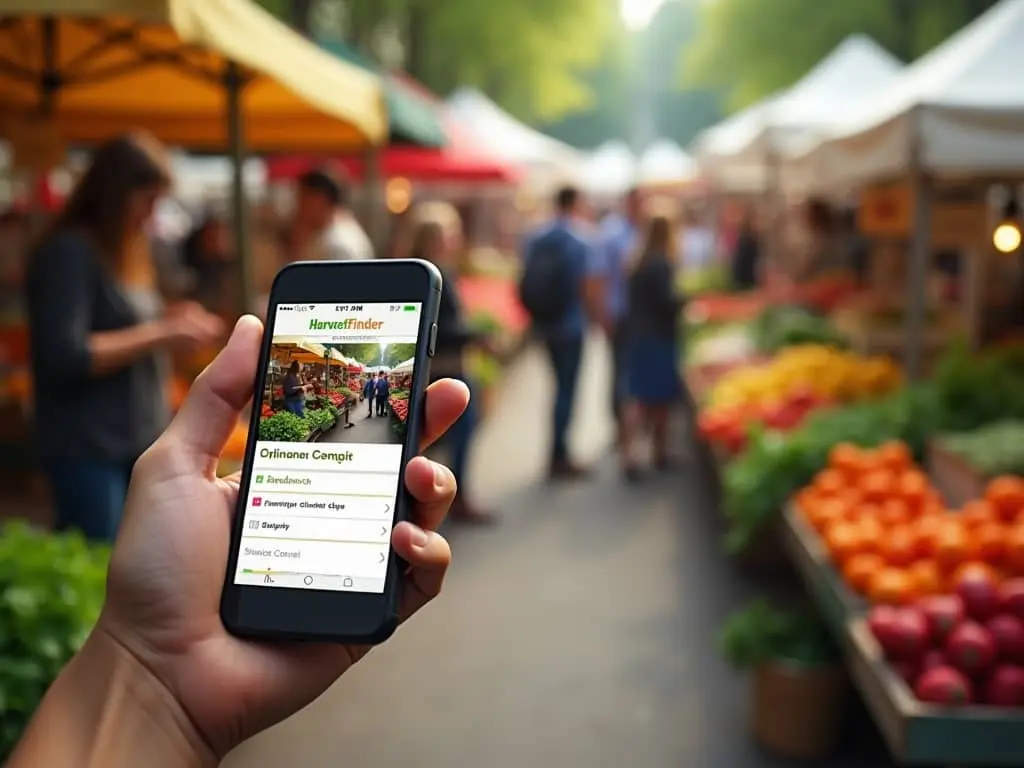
{"x": 328, "y": 457}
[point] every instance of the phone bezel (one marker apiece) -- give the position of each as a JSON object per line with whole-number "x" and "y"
{"x": 326, "y": 615}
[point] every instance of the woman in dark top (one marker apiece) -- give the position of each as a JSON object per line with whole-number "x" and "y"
{"x": 97, "y": 333}
{"x": 294, "y": 390}
{"x": 437, "y": 241}
{"x": 746, "y": 258}
{"x": 652, "y": 343}
{"x": 207, "y": 254}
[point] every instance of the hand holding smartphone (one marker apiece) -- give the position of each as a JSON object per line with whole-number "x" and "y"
{"x": 311, "y": 554}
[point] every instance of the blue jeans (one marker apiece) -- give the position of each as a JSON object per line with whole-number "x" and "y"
{"x": 89, "y": 495}
{"x": 296, "y": 406}
{"x": 460, "y": 436}
{"x": 565, "y": 355}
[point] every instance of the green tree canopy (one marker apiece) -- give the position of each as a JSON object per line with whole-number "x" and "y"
{"x": 530, "y": 55}
{"x": 752, "y": 48}
{"x": 367, "y": 354}
{"x": 398, "y": 353}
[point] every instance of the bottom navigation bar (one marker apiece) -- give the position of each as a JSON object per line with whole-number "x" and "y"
{"x": 334, "y": 582}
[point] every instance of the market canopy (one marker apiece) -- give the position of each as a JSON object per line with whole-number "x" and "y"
{"x": 610, "y": 169}
{"x": 742, "y": 151}
{"x": 405, "y": 367}
{"x": 548, "y": 158}
{"x": 304, "y": 350}
{"x": 463, "y": 157}
{"x": 101, "y": 67}
{"x": 665, "y": 162}
{"x": 959, "y": 109}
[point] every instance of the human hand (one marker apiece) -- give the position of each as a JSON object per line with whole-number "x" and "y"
{"x": 189, "y": 324}
{"x": 170, "y": 558}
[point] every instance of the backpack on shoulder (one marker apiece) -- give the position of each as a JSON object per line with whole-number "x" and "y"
{"x": 547, "y": 286}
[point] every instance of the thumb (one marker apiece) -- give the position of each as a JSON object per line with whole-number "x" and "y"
{"x": 210, "y": 412}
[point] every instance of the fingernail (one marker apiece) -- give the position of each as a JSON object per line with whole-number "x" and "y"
{"x": 440, "y": 478}
{"x": 419, "y": 536}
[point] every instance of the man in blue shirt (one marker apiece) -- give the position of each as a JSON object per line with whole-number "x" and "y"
{"x": 619, "y": 241}
{"x": 370, "y": 394}
{"x": 564, "y": 339}
{"x": 382, "y": 390}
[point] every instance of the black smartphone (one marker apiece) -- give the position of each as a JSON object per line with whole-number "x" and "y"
{"x": 337, "y": 411}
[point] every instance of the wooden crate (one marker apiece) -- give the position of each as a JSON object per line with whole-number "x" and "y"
{"x": 956, "y": 480}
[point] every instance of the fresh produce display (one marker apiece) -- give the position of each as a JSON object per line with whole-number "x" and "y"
{"x": 399, "y": 403}
{"x": 782, "y": 392}
{"x": 322, "y": 412}
{"x": 997, "y": 449}
{"x": 888, "y": 532}
{"x": 788, "y": 325}
{"x": 955, "y": 649}
{"x": 965, "y": 393}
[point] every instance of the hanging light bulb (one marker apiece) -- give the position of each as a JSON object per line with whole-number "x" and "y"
{"x": 1006, "y": 237}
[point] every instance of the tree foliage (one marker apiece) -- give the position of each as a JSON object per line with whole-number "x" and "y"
{"x": 367, "y": 354}
{"x": 398, "y": 353}
{"x": 752, "y": 48}
{"x": 530, "y": 55}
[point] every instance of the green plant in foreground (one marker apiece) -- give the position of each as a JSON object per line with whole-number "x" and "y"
{"x": 283, "y": 427}
{"x": 51, "y": 592}
{"x": 759, "y": 634}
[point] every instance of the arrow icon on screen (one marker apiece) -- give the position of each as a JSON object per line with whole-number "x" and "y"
{"x": 383, "y": 557}
{"x": 383, "y": 530}
{"x": 387, "y": 508}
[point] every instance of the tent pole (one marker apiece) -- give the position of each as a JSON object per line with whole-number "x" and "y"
{"x": 234, "y": 83}
{"x": 922, "y": 189}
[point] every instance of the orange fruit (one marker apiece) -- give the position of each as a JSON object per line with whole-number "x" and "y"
{"x": 926, "y": 577}
{"x": 991, "y": 540}
{"x": 824, "y": 512}
{"x": 894, "y": 512}
{"x": 1013, "y": 558}
{"x": 925, "y": 532}
{"x": 1006, "y": 495}
{"x": 891, "y": 586}
{"x": 805, "y": 499}
{"x": 877, "y": 485}
{"x": 975, "y": 514}
{"x": 851, "y": 498}
{"x": 912, "y": 487}
{"x": 899, "y": 547}
{"x": 895, "y": 456}
{"x": 843, "y": 541}
{"x": 952, "y": 546}
{"x": 871, "y": 535}
{"x": 846, "y": 458}
{"x": 860, "y": 569}
{"x": 829, "y": 482}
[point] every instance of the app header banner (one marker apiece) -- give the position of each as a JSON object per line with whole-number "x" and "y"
{"x": 338, "y": 322}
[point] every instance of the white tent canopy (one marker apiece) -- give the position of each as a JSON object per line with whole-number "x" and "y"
{"x": 550, "y": 161}
{"x": 665, "y": 162}
{"x": 741, "y": 152}
{"x": 609, "y": 170}
{"x": 960, "y": 109}
{"x": 405, "y": 366}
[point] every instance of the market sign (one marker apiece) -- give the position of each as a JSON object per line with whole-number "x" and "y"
{"x": 958, "y": 222}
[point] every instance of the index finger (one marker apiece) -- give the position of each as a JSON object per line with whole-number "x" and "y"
{"x": 446, "y": 399}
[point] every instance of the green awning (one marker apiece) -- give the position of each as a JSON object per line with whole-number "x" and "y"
{"x": 411, "y": 118}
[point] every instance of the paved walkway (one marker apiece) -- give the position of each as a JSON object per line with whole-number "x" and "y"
{"x": 579, "y": 633}
{"x": 365, "y": 429}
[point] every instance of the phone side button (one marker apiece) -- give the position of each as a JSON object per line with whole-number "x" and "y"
{"x": 432, "y": 339}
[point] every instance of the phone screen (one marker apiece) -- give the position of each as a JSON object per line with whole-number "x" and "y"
{"x": 328, "y": 456}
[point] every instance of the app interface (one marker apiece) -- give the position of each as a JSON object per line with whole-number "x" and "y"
{"x": 331, "y": 432}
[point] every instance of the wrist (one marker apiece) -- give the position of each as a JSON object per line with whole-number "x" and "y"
{"x": 106, "y": 708}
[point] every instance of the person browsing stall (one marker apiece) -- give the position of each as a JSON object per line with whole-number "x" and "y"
{"x": 294, "y": 390}
{"x": 99, "y": 333}
{"x": 382, "y": 390}
{"x": 369, "y": 394}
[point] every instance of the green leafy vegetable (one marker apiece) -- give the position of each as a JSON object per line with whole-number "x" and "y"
{"x": 997, "y": 449}
{"x": 759, "y": 634}
{"x": 283, "y": 427}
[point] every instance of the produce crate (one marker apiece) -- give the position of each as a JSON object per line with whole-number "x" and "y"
{"x": 826, "y": 585}
{"x": 916, "y": 733}
{"x": 955, "y": 478}
{"x": 923, "y": 734}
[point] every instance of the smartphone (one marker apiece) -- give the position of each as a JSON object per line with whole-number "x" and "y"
{"x": 337, "y": 411}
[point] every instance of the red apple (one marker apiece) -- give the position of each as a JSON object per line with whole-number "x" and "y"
{"x": 1008, "y": 634}
{"x": 980, "y": 596}
{"x": 944, "y": 685}
{"x": 971, "y": 649}
{"x": 1005, "y": 687}
{"x": 943, "y": 613}
{"x": 1011, "y": 597}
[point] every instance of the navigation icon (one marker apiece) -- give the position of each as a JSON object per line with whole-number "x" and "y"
{"x": 347, "y": 581}
{"x": 383, "y": 530}
{"x": 383, "y": 557}
{"x": 267, "y": 579}
{"x": 308, "y": 580}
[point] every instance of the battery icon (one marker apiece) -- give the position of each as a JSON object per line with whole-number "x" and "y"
{"x": 409, "y": 308}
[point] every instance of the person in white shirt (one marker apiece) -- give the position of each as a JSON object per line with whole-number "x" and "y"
{"x": 323, "y": 226}
{"x": 698, "y": 242}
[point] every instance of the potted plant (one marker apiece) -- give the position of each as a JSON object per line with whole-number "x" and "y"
{"x": 51, "y": 591}
{"x": 799, "y": 685}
